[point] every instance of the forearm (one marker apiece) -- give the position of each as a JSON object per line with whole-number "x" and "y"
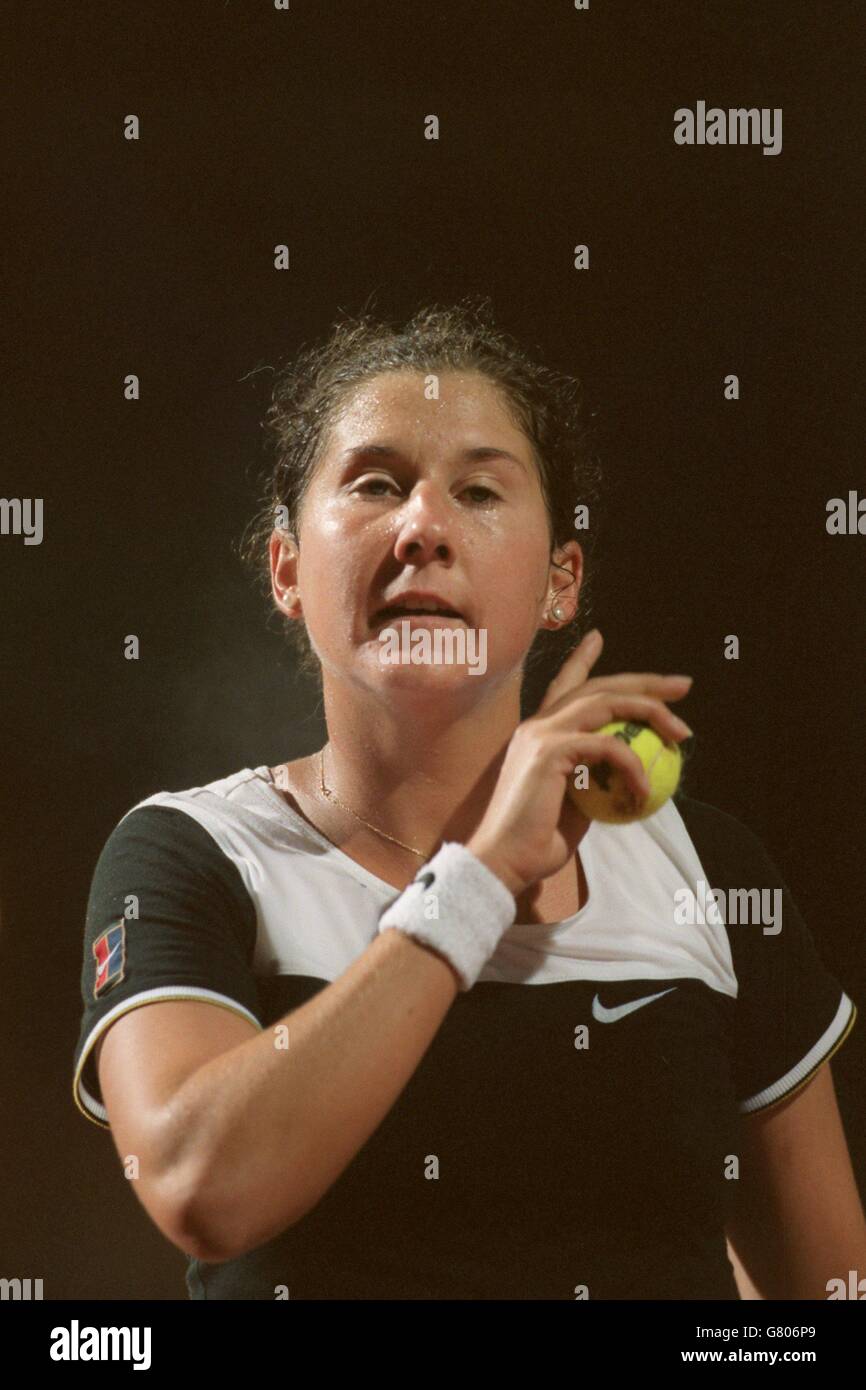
{"x": 261, "y": 1132}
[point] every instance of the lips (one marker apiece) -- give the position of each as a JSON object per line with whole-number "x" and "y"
{"x": 417, "y": 604}
{"x": 394, "y": 614}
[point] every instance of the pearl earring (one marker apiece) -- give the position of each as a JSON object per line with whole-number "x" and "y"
{"x": 558, "y": 612}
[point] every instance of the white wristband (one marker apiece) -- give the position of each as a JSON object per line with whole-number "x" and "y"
{"x": 471, "y": 909}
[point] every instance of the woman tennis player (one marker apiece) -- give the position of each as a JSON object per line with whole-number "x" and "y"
{"x": 394, "y": 1020}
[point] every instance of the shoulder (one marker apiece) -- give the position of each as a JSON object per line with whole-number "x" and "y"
{"x": 160, "y": 844}
{"x": 719, "y": 833}
{"x": 792, "y": 1011}
{"x": 170, "y": 916}
{"x": 248, "y": 791}
{"x": 734, "y": 858}
{"x": 234, "y": 817}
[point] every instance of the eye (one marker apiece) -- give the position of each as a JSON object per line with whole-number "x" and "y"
{"x": 365, "y": 487}
{"x": 372, "y": 482}
{"x": 479, "y": 487}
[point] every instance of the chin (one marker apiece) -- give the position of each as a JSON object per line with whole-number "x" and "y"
{"x": 425, "y": 682}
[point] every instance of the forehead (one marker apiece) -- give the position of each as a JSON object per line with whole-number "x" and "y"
{"x": 395, "y": 401}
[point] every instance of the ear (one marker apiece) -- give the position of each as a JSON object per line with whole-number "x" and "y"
{"x": 283, "y": 553}
{"x": 566, "y": 559}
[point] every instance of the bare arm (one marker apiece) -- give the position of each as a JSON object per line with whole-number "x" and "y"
{"x": 237, "y": 1147}
{"x": 799, "y": 1220}
{"x": 746, "y": 1288}
{"x": 239, "y": 1137}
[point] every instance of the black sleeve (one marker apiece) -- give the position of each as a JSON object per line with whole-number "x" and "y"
{"x": 193, "y": 938}
{"x": 791, "y": 1013}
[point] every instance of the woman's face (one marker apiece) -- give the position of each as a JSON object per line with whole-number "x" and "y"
{"x": 435, "y": 495}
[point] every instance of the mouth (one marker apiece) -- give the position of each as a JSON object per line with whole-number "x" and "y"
{"x": 419, "y": 617}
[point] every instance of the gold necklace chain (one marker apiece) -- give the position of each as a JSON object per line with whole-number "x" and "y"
{"x": 332, "y": 796}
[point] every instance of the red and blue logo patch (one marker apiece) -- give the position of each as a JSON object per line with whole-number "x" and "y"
{"x": 109, "y": 951}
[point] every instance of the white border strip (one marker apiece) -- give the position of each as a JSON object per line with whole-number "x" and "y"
{"x": 816, "y": 1054}
{"x": 93, "y": 1108}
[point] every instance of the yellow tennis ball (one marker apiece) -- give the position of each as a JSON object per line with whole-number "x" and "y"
{"x": 610, "y": 797}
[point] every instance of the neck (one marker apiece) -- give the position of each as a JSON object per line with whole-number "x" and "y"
{"x": 423, "y": 773}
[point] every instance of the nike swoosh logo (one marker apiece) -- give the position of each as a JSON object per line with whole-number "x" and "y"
{"x": 620, "y": 1010}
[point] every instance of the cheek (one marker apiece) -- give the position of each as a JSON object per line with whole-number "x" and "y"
{"x": 319, "y": 579}
{"x": 520, "y": 582}
{"x": 515, "y": 608}
{"x": 335, "y": 581}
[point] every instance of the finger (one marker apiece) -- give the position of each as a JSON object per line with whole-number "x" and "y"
{"x": 666, "y": 688}
{"x": 607, "y": 706}
{"x": 574, "y": 670}
{"x": 592, "y": 749}
{"x": 640, "y": 683}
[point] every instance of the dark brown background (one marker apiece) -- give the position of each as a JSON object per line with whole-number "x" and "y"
{"x": 155, "y": 257}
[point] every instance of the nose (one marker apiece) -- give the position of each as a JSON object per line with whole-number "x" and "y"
{"x": 423, "y": 530}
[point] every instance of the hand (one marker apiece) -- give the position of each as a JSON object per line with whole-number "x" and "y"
{"x": 531, "y": 828}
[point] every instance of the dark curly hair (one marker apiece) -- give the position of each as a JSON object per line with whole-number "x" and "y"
{"x": 314, "y": 383}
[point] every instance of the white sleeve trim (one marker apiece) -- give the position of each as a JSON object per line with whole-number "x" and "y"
{"x": 88, "y": 1104}
{"x": 827, "y": 1043}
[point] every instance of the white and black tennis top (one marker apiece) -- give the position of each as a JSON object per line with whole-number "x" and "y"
{"x": 580, "y": 1144}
